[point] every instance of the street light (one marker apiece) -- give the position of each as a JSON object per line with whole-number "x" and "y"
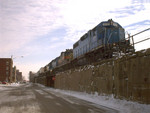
{"x": 14, "y": 74}
{"x": 15, "y": 57}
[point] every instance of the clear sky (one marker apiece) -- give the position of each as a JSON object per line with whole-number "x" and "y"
{"x": 40, "y": 30}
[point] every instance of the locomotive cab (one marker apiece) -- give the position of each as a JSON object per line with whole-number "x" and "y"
{"x": 110, "y": 32}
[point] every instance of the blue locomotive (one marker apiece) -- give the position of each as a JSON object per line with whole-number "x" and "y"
{"x": 105, "y": 33}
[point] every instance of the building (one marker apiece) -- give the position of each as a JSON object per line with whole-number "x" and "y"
{"x": 31, "y": 76}
{"x": 19, "y": 76}
{"x": 14, "y": 74}
{"x": 6, "y": 69}
{"x": 41, "y": 70}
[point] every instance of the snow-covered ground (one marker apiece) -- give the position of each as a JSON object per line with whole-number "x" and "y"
{"x": 13, "y": 100}
{"x": 2, "y": 86}
{"x": 123, "y": 106}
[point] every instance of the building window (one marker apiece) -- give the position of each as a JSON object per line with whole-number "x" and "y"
{"x": 7, "y": 63}
{"x": 7, "y": 68}
{"x": 7, "y": 72}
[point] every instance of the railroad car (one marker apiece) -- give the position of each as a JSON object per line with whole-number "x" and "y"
{"x": 107, "y": 32}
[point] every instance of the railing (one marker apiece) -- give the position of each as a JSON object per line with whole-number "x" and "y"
{"x": 131, "y": 38}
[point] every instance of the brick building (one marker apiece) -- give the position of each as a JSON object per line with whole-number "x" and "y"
{"x": 6, "y": 69}
{"x": 19, "y": 76}
{"x": 14, "y": 74}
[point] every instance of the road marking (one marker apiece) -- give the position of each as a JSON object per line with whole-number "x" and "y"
{"x": 48, "y": 96}
{"x": 91, "y": 111}
{"x": 68, "y": 100}
{"x": 63, "y": 97}
{"x": 41, "y": 92}
{"x": 58, "y": 104}
{"x": 45, "y": 94}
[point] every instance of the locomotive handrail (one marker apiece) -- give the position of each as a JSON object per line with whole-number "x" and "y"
{"x": 142, "y": 40}
{"x": 137, "y": 34}
{"x": 140, "y": 32}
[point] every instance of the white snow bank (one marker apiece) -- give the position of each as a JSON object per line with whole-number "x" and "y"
{"x": 10, "y": 84}
{"x": 14, "y": 84}
{"x": 4, "y": 86}
{"x": 123, "y": 106}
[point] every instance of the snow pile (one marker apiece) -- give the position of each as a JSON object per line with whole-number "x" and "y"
{"x": 10, "y": 84}
{"x": 123, "y": 106}
{"x": 14, "y": 84}
{"x": 5, "y": 86}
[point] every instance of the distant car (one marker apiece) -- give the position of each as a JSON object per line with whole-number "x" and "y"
{"x": 4, "y": 82}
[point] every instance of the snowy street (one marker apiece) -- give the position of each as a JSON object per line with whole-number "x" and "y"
{"x": 31, "y": 98}
{"x": 35, "y": 98}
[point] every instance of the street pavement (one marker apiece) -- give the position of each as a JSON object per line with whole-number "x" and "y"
{"x": 32, "y": 98}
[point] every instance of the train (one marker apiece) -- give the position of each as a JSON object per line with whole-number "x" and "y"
{"x": 99, "y": 43}
{"x": 107, "y": 32}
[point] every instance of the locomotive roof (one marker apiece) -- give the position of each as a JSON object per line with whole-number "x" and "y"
{"x": 110, "y": 22}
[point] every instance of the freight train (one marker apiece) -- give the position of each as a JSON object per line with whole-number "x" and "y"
{"x": 100, "y": 43}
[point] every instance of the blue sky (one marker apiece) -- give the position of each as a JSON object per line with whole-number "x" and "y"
{"x": 40, "y": 30}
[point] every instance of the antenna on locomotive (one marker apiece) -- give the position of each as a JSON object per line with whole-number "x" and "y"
{"x": 110, "y": 19}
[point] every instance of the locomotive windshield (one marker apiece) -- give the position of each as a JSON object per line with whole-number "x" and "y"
{"x": 114, "y": 34}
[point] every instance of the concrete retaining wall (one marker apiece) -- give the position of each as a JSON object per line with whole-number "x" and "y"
{"x": 127, "y": 78}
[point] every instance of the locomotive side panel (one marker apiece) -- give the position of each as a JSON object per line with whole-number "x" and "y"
{"x": 93, "y": 39}
{"x": 82, "y": 46}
